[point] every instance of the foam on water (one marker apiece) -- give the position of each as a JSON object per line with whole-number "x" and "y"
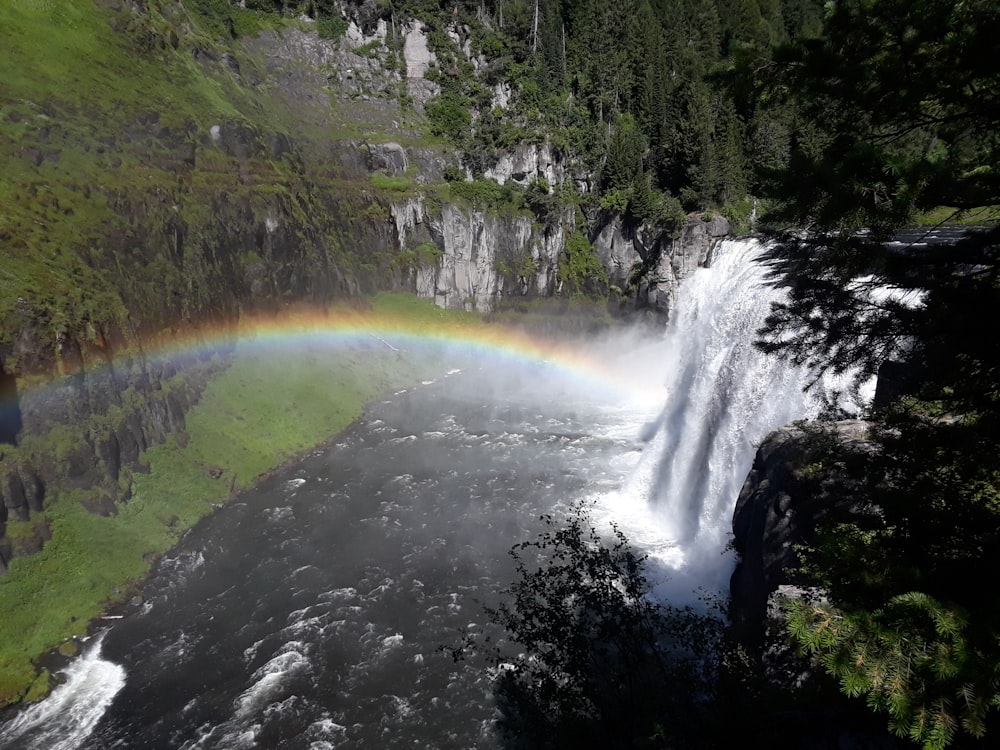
{"x": 68, "y": 716}
{"x": 270, "y": 680}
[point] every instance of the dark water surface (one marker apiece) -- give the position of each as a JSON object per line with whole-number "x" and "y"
{"x": 310, "y": 613}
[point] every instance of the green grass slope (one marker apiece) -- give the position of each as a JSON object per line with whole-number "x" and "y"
{"x": 114, "y": 171}
{"x": 76, "y": 78}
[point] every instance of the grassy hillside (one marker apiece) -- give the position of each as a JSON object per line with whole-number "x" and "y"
{"x": 75, "y": 92}
{"x": 140, "y": 142}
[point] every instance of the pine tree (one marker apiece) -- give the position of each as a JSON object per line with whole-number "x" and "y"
{"x": 896, "y": 106}
{"x": 730, "y": 169}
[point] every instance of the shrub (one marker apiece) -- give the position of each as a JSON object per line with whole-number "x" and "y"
{"x": 739, "y": 214}
{"x": 427, "y": 253}
{"x": 615, "y": 200}
{"x": 489, "y": 194}
{"x": 580, "y": 269}
{"x": 331, "y": 27}
{"x": 386, "y": 182}
{"x": 454, "y": 173}
{"x": 588, "y": 658}
{"x": 449, "y": 116}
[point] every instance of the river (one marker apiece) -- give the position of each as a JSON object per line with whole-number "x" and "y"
{"x": 311, "y": 612}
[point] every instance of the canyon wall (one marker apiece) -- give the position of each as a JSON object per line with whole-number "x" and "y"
{"x": 170, "y": 223}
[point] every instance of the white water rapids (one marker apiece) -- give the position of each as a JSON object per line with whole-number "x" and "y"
{"x": 64, "y": 719}
{"x": 672, "y": 479}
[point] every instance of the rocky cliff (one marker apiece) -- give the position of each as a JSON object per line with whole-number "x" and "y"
{"x": 475, "y": 259}
{"x": 800, "y": 475}
{"x": 650, "y": 265}
{"x": 271, "y": 169}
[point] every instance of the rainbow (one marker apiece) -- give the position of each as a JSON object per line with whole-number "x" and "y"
{"x": 453, "y": 337}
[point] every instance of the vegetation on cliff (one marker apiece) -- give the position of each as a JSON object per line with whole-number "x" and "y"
{"x": 634, "y": 93}
{"x": 150, "y": 149}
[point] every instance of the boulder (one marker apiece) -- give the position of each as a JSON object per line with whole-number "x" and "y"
{"x": 718, "y": 226}
{"x": 389, "y": 158}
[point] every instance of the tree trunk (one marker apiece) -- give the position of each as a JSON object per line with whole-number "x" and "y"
{"x": 534, "y": 31}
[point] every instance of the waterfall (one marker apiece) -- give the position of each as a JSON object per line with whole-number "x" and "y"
{"x": 723, "y": 397}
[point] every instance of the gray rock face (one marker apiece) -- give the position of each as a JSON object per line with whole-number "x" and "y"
{"x": 303, "y": 71}
{"x": 502, "y": 93}
{"x": 786, "y": 495}
{"x": 692, "y": 249}
{"x": 484, "y": 258}
{"x": 527, "y": 162}
{"x": 418, "y": 58}
{"x": 467, "y": 275}
{"x": 415, "y": 51}
{"x": 357, "y": 37}
{"x": 388, "y": 157}
{"x": 478, "y": 255}
{"x": 659, "y": 263}
{"x": 620, "y": 255}
{"x": 297, "y": 59}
